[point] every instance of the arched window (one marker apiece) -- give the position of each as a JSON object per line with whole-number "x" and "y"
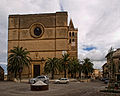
{"x": 70, "y": 34}
{"x": 73, "y": 34}
{"x": 119, "y": 69}
{"x": 69, "y": 40}
{"x": 73, "y": 40}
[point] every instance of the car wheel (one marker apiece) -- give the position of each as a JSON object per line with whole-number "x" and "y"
{"x": 34, "y": 82}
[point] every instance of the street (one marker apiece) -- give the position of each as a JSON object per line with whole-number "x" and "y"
{"x": 8, "y": 88}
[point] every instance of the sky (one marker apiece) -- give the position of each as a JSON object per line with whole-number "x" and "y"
{"x": 98, "y": 23}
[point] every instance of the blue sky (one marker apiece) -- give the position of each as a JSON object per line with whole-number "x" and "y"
{"x": 98, "y": 22}
{"x": 89, "y": 48}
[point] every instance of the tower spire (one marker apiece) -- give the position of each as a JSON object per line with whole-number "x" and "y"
{"x": 61, "y": 5}
{"x": 71, "y": 26}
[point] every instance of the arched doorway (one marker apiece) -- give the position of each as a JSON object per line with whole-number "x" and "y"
{"x": 36, "y": 71}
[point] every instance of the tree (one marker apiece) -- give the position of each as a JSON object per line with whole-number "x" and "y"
{"x": 73, "y": 67}
{"x": 51, "y": 66}
{"x": 111, "y": 50}
{"x": 87, "y": 67}
{"x": 64, "y": 63}
{"x": 17, "y": 60}
{"x": 80, "y": 68}
{"x": 70, "y": 69}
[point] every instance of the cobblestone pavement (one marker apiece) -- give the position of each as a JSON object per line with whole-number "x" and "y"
{"x": 71, "y": 89}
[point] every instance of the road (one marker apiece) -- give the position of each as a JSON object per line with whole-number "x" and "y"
{"x": 72, "y": 89}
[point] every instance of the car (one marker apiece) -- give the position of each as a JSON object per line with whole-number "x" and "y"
{"x": 62, "y": 81}
{"x": 103, "y": 79}
{"x": 43, "y": 78}
{"x": 106, "y": 81}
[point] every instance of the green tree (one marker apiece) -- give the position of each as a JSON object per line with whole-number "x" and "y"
{"x": 73, "y": 66}
{"x": 52, "y": 66}
{"x": 17, "y": 60}
{"x": 87, "y": 67}
{"x": 70, "y": 69}
{"x": 64, "y": 63}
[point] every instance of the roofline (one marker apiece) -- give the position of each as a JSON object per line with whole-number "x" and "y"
{"x": 32, "y": 14}
{"x": 1, "y": 68}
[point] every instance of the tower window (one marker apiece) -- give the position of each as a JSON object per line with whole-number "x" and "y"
{"x": 73, "y": 40}
{"x": 73, "y": 34}
{"x": 69, "y": 40}
{"x": 70, "y": 34}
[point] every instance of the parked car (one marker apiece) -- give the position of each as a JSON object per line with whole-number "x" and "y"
{"x": 103, "y": 79}
{"x": 62, "y": 81}
{"x": 106, "y": 81}
{"x": 43, "y": 78}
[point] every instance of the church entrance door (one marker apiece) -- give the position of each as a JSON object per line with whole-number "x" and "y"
{"x": 36, "y": 70}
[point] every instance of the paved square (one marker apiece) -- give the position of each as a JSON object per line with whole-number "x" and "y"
{"x": 72, "y": 89}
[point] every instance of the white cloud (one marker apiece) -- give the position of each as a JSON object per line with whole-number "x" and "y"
{"x": 99, "y": 25}
{"x": 8, "y": 7}
{"x": 98, "y": 22}
{"x": 98, "y": 64}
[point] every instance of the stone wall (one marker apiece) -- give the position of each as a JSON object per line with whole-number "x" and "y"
{"x": 51, "y": 42}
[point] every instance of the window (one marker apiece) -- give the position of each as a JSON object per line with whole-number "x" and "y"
{"x": 73, "y": 34}
{"x": 40, "y": 77}
{"x": 69, "y": 40}
{"x": 119, "y": 69}
{"x": 73, "y": 40}
{"x": 70, "y": 34}
{"x": 37, "y": 31}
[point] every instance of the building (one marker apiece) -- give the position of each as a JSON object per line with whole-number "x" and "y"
{"x": 44, "y": 35}
{"x": 96, "y": 73}
{"x": 105, "y": 68}
{"x": 113, "y": 62}
{"x": 1, "y": 73}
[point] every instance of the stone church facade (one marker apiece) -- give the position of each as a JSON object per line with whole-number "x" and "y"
{"x": 44, "y": 35}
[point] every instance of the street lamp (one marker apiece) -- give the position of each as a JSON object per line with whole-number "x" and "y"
{"x": 80, "y": 68}
{"x": 42, "y": 60}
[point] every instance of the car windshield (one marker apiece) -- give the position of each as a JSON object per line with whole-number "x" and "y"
{"x": 63, "y": 79}
{"x": 40, "y": 77}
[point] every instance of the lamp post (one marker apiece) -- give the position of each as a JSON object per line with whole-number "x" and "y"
{"x": 80, "y": 68}
{"x": 42, "y": 60}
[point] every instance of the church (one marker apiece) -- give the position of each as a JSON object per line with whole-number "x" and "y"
{"x": 44, "y": 35}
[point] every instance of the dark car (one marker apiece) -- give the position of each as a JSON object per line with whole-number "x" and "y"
{"x": 106, "y": 81}
{"x": 103, "y": 79}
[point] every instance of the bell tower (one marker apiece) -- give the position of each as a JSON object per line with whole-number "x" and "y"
{"x": 72, "y": 39}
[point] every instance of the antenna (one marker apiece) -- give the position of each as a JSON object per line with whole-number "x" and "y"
{"x": 61, "y": 5}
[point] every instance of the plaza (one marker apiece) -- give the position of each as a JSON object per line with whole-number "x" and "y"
{"x": 71, "y": 89}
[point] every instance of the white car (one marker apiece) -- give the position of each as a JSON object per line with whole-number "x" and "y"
{"x": 43, "y": 78}
{"x": 62, "y": 81}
